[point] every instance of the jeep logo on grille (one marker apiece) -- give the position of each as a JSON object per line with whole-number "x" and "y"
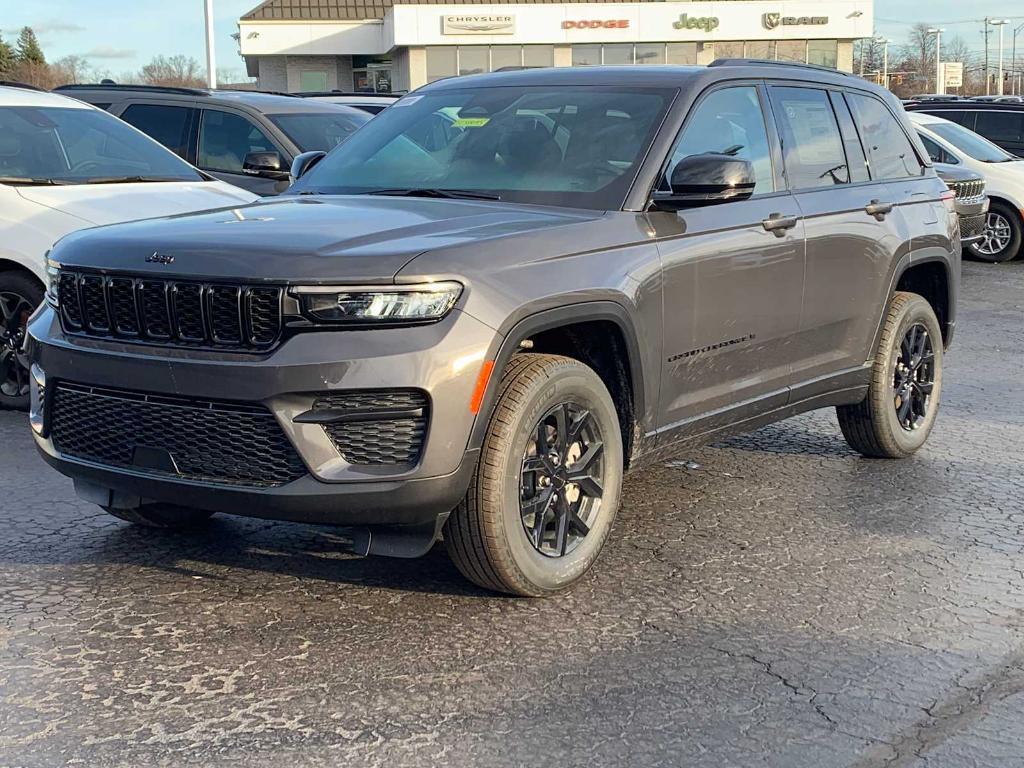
{"x": 159, "y": 258}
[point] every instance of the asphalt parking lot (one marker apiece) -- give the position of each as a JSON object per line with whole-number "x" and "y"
{"x": 775, "y": 600}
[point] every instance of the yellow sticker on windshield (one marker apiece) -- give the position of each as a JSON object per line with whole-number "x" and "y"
{"x": 471, "y": 122}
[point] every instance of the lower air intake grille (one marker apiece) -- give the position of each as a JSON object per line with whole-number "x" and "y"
{"x": 379, "y": 427}
{"x": 214, "y": 442}
{"x": 972, "y": 226}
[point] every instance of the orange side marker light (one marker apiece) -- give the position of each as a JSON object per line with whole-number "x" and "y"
{"x": 481, "y": 386}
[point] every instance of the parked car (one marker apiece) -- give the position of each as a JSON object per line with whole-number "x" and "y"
{"x": 999, "y": 99}
{"x": 1000, "y": 123}
{"x": 247, "y": 138}
{"x": 64, "y": 166}
{"x": 953, "y": 144}
{"x": 374, "y": 103}
{"x": 971, "y": 201}
{"x": 599, "y": 268}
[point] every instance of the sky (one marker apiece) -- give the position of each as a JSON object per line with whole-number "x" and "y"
{"x": 121, "y": 35}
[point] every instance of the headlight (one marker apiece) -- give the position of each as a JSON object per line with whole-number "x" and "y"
{"x": 52, "y": 279}
{"x": 365, "y": 305}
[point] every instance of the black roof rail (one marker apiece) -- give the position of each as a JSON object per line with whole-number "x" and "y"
{"x": 129, "y": 87}
{"x": 762, "y": 62}
{"x": 23, "y": 86}
{"x": 250, "y": 90}
{"x": 313, "y": 94}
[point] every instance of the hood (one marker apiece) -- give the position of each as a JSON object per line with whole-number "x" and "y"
{"x": 99, "y": 204}
{"x": 954, "y": 173}
{"x": 312, "y": 239}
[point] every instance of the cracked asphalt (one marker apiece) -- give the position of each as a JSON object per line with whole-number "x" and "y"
{"x": 776, "y": 601}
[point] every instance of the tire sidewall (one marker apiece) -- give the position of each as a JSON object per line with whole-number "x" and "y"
{"x": 917, "y": 311}
{"x": 581, "y": 387}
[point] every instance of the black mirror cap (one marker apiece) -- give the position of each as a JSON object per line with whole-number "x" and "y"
{"x": 303, "y": 163}
{"x": 266, "y": 164}
{"x": 708, "y": 179}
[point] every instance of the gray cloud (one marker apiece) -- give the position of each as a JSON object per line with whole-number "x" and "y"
{"x": 107, "y": 52}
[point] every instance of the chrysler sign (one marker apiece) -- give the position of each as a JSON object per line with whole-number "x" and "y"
{"x": 459, "y": 24}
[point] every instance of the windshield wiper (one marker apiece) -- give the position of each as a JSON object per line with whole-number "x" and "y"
{"x": 129, "y": 179}
{"x": 464, "y": 194}
{"x": 24, "y": 181}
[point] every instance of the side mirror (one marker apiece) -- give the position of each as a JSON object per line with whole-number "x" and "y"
{"x": 265, "y": 164}
{"x": 303, "y": 163}
{"x": 708, "y": 179}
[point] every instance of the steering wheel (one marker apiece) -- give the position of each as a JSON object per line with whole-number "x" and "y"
{"x": 605, "y": 167}
{"x": 86, "y": 165}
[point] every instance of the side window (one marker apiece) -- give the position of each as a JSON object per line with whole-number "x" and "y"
{"x": 851, "y": 139}
{"x": 890, "y": 152}
{"x": 729, "y": 121}
{"x": 937, "y": 153}
{"x": 226, "y": 138}
{"x": 812, "y": 143}
{"x": 1000, "y": 127}
{"x": 168, "y": 125}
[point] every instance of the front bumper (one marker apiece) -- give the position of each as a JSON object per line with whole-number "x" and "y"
{"x": 443, "y": 360}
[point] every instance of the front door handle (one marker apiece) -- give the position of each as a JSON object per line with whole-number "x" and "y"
{"x": 878, "y": 209}
{"x": 779, "y": 223}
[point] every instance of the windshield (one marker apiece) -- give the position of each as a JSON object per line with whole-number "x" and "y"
{"x": 566, "y": 146}
{"x": 970, "y": 143}
{"x": 320, "y": 130}
{"x": 61, "y": 145}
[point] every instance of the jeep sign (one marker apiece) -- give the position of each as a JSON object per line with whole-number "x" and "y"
{"x": 706, "y": 23}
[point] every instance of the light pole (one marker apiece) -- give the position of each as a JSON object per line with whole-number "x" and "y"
{"x": 1000, "y": 23}
{"x": 211, "y": 55}
{"x": 939, "y": 85}
{"x": 885, "y": 61}
{"x": 1013, "y": 59}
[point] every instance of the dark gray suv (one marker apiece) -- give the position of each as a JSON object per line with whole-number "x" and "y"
{"x": 471, "y": 318}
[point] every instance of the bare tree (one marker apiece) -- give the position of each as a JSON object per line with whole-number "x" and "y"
{"x": 173, "y": 70}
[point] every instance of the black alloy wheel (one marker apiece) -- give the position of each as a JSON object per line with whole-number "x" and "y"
{"x": 562, "y": 480}
{"x": 15, "y": 381}
{"x": 914, "y": 377}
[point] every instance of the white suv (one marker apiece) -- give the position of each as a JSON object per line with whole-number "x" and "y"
{"x": 65, "y": 166}
{"x": 952, "y": 143}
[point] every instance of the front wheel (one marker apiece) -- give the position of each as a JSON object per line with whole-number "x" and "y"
{"x": 1003, "y": 236}
{"x": 20, "y": 294}
{"x": 546, "y": 487}
{"x": 896, "y": 417}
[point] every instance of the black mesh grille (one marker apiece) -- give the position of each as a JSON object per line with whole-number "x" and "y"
{"x": 197, "y": 440}
{"x": 372, "y": 433}
{"x": 181, "y": 313}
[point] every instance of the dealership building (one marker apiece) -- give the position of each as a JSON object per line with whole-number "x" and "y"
{"x": 398, "y": 45}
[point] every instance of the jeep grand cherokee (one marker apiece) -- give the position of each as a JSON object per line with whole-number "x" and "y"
{"x": 471, "y": 318}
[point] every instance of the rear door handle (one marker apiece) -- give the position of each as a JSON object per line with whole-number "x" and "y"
{"x": 878, "y": 209}
{"x": 779, "y": 223}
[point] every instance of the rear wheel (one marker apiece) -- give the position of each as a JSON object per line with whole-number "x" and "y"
{"x": 896, "y": 417}
{"x": 546, "y": 487}
{"x": 167, "y": 516}
{"x": 1003, "y": 236}
{"x": 20, "y": 294}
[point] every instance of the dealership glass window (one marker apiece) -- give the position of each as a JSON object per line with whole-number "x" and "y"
{"x": 792, "y": 50}
{"x": 814, "y": 152}
{"x": 506, "y": 56}
{"x": 168, "y": 125}
{"x": 226, "y": 138}
{"x": 729, "y": 50}
{"x": 312, "y": 80}
{"x": 824, "y": 53}
{"x": 681, "y": 53}
{"x": 730, "y": 120}
{"x": 442, "y": 61}
{"x": 539, "y": 55}
{"x": 650, "y": 54}
{"x": 473, "y": 59}
{"x": 761, "y": 49}
{"x": 586, "y": 55}
{"x": 620, "y": 53}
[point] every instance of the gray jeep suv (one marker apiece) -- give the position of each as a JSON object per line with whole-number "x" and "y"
{"x": 470, "y": 319}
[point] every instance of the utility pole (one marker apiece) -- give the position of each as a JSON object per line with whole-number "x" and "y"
{"x": 987, "y": 84}
{"x": 885, "y": 61}
{"x": 211, "y": 54}
{"x": 1014, "y": 77}
{"x": 940, "y": 87}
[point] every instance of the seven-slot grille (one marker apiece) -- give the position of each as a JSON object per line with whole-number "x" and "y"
{"x": 209, "y": 441}
{"x": 968, "y": 190}
{"x": 376, "y": 426}
{"x": 170, "y": 312}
